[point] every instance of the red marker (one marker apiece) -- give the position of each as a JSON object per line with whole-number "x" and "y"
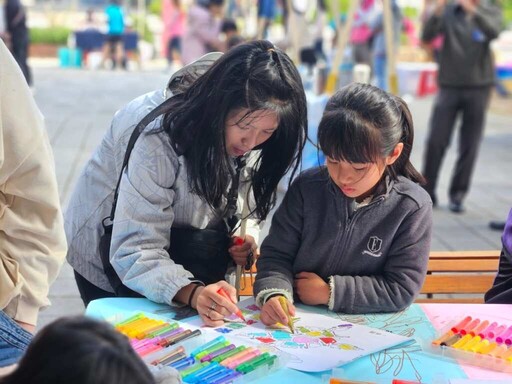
{"x": 462, "y": 324}
{"x": 237, "y": 240}
{"x": 469, "y": 327}
{"x": 223, "y": 293}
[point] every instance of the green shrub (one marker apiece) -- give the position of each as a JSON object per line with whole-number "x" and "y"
{"x": 148, "y": 35}
{"x": 51, "y": 35}
{"x": 155, "y": 7}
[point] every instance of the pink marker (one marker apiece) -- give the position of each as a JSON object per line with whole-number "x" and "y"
{"x": 475, "y": 331}
{"x": 469, "y": 327}
{"x": 249, "y": 356}
{"x": 488, "y": 329}
{"x": 498, "y": 331}
{"x": 504, "y": 336}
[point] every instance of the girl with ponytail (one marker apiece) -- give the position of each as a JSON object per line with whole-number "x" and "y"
{"x": 355, "y": 234}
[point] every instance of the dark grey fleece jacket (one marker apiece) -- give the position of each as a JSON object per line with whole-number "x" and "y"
{"x": 376, "y": 255}
{"x": 466, "y": 58}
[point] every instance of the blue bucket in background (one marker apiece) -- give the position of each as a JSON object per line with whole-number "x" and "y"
{"x": 70, "y": 57}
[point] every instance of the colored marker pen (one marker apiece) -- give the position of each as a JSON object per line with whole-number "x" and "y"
{"x": 461, "y": 325}
{"x": 186, "y": 335}
{"x": 217, "y": 373}
{"x": 137, "y": 316}
{"x": 469, "y": 327}
{"x": 492, "y": 334}
{"x": 223, "y": 293}
{"x": 218, "y": 352}
{"x": 504, "y": 336}
{"x": 474, "y": 341}
{"x": 483, "y": 344}
{"x": 164, "y": 329}
{"x": 269, "y": 360}
{"x": 182, "y": 363}
{"x": 213, "y": 348}
{"x": 498, "y": 351}
{"x": 173, "y": 359}
{"x": 168, "y": 355}
{"x": 226, "y": 355}
{"x": 207, "y": 345}
{"x": 284, "y": 304}
{"x": 443, "y": 338}
{"x": 461, "y": 342}
{"x": 237, "y": 356}
{"x": 452, "y": 340}
{"x": 235, "y": 363}
{"x": 192, "y": 369}
{"x": 475, "y": 331}
{"x": 253, "y": 361}
{"x": 490, "y": 328}
{"x": 212, "y": 367}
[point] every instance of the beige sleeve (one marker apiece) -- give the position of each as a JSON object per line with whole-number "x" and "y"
{"x": 32, "y": 239}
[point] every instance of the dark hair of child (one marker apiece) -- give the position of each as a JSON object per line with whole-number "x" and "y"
{"x": 362, "y": 124}
{"x": 79, "y": 350}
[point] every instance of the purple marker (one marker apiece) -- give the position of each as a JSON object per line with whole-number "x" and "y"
{"x": 171, "y": 333}
{"x": 504, "y": 336}
{"x": 216, "y": 353}
{"x": 498, "y": 331}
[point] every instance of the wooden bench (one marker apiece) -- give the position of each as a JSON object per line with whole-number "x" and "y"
{"x": 452, "y": 277}
{"x": 460, "y": 276}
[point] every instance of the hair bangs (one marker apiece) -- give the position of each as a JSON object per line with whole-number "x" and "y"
{"x": 344, "y": 136}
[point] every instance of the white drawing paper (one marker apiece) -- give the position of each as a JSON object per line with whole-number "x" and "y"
{"x": 319, "y": 343}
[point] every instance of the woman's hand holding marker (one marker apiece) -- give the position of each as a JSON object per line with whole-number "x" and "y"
{"x": 214, "y": 307}
{"x": 272, "y": 312}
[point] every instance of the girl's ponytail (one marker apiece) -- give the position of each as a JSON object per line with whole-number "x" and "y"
{"x": 403, "y": 166}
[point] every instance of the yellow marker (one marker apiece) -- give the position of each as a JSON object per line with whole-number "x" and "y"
{"x": 474, "y": 341}
{"x": 499, "y": 351}
{"x": 481, "y": 346}
{"x": 459, "y": 344}
{"x": 284, "y": 304}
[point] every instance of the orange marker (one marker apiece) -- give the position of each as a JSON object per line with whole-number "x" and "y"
{"x": 223, "y": 293}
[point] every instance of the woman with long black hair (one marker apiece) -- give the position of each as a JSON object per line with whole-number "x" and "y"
{"x": 183, "y": 178}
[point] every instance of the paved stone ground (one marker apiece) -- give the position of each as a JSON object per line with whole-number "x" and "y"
{"x": 79, "y": 104}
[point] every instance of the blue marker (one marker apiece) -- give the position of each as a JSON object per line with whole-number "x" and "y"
{"x": 182, "y": 363}
{"x": 198, "y": 375}
{"x": 198, "y": 350}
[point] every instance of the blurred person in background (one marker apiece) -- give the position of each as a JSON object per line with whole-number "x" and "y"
{"x": 16, "y": 21}
{"x": 114, "y": 46}
{"x": 361, "y": 33}
{"x": 466, "y": 77}
{"x": 202, "y": 30}
{"x": 174, "y": 23}
{"x": 378, "y": 41}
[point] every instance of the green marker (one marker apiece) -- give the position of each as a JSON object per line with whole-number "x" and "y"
{"x": 163, "y": 330}
{"x": 137, "y": 316}
{"x": 213, "y": 348}
{"x": 254, "y": 360}
{"x": 228, "y": 354}
{"x": 269, "y": 360}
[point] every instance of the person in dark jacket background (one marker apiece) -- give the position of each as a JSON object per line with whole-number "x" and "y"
{"x": 466, "y": 77}
{"x": 16, "y": 20}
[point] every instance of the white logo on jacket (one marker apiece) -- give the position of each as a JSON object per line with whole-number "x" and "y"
{"x": 374, "y": 245}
